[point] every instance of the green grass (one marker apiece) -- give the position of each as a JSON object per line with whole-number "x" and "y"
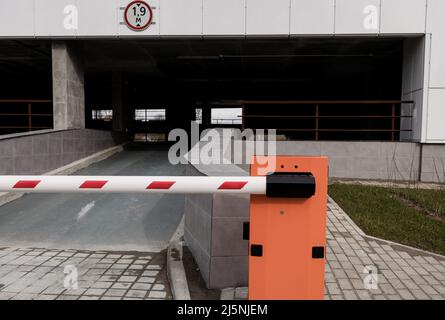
{"x": 409, "y": 216}
{"x": 430, "y": 200}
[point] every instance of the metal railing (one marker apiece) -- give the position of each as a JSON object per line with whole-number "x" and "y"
{"x": 319, "y": 112}
{"x": 25, "y": 111}
{"x": 226, "y": 121}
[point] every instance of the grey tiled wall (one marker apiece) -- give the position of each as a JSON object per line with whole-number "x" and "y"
{"x": 198, "y": 227}
{"x": 433, "y": 163}
{"x": 40, "y": 152}
{"x": 214, "y": 233}
{"x": 361, "y": 160}
{"x": 394, "y": 161}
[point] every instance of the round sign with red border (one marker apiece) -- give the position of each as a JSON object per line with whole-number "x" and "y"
{"x": 138, "y": 15}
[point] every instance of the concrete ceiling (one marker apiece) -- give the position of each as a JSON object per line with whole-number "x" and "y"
{"x": 247, "y": 68}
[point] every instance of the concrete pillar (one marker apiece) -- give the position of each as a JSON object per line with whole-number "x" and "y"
{"x": 206, "y": 117}
{"x": 414, "y": 87}
{"x": 120, "y": 114}
{"x": 68, "y": 86}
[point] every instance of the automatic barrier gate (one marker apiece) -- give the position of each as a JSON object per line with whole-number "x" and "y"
{"x": 287, "y": 216}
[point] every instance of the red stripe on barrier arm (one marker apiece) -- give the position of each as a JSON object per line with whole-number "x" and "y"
{"x": 93, "y": 184}
{"x": 26, "y": 184}
{"x": 232, "y": 185}
{"x": 161, "y": 185}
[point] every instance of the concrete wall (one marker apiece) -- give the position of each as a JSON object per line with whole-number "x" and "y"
{"x": 213, "y": 231}
{"x": 393, "y": 161}
{"x": 359, "y": 160}
{"x": 362, "y": 160}
{"x": 40, "y": 152}
{"x": 68, "y": 86}
{"x": 120, "y": 112}
{"x": 198, "y": 227}
{"x": 433, "y": 163}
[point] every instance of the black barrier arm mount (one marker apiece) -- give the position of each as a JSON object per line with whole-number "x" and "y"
{"x": 290, "y": 185}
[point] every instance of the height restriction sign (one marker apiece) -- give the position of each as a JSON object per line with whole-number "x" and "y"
{"x": 138, "y": 15}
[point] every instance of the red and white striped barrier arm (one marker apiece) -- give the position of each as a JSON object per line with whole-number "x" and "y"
{"x": 132, "y": 184}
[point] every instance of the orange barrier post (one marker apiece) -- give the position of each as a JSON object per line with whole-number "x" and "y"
{"x": 287, "y": 245}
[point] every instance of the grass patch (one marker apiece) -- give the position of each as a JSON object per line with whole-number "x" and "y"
{"x": 409, "y": 216}
{"x": 431, "y": 201}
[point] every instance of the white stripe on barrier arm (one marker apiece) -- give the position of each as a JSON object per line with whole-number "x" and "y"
{"x": 132, "y": 184}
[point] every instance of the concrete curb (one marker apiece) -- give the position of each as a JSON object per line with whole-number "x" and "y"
{"x": 7, "y": 197}
{"x": 176, "y": 272}
{"x": 238, "y": 293}
{"x": 85, "y": 162}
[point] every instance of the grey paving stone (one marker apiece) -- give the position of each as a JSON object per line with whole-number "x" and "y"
{"x": 387, "y": 289}
{"x": 157, "y": 294}
{"x": 115, "y": 292}
{"x": 240, "y": 293}
{"x": 122, "y": 266}
{"x": 121, "y": 285}
{"x": 397, "y": 284}
{"x": 344, "y": 284}
{"x": 429, "y": 290}
{"x": 431, "y": 280}
{"x": 162, "y": 287}
{"x": 125, "y": 261}
{"x": 67, "y": 297}
{"x": 108, "y": 278}
{"x": 102, "y": 285}
{"x": 107, "y": 261}
{"x": 24, "y": 296}
{"x": 114, "y": 256}
{"x": 34, "y": 274}
{"x": 56, "y": 291}
{"x": 154, "y": 267}
{"x": 89, "y": 298}
{"x": 110, "y": 298}
{"x": 333, "y": 288}
{"x": 114, "y": 272}
{"x": 136, "y": 293}
{"x": 6, "y": 295}
{"x": 46, "y": 297}
{"x": 406, "y": 294}
{"x": 142, "y": 286}
{"x": 94, "y": 292}
{"x": 127, "y": 279}
{"x": 440, "y": 289}
{"x": 150, "y": 273}
{"x": 419, "y": 294}
{"x": 350, "y": 295}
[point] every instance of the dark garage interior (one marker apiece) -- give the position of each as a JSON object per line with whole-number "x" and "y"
{"x": 308, "y": 89}
{"x": 25, "y": 86}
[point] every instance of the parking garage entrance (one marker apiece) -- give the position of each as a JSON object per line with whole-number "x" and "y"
{"x": 306, "y": 88}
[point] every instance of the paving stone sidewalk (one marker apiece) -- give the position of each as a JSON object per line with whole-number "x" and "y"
{"x": 403, "y": 273}
{"x": 39, "y": 274}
